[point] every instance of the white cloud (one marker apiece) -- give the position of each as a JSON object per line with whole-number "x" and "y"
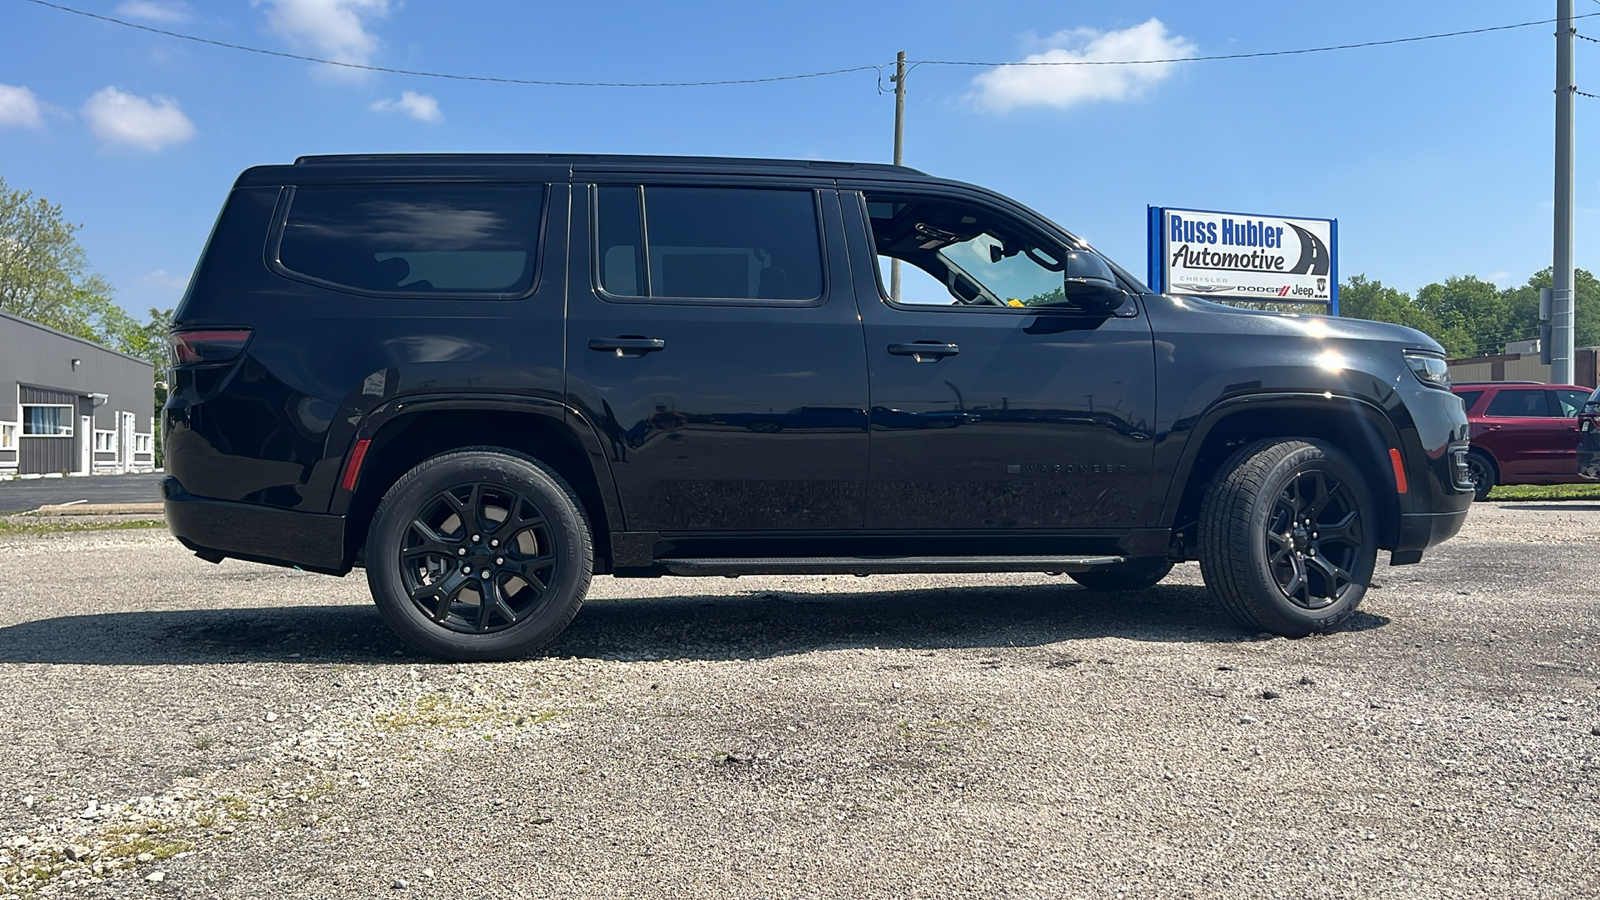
{"x": 150, "y": 125}
{"x": 421, "y": 107}
{"x": 335, "y": 29}
{"x": 1007, "y": 87}
{"x": 154, "y": 10}
{"x": 162, "y": 280}
{"x": 18, "y": 106}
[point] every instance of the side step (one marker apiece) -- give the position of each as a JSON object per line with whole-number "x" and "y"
{"x": 884, "y": 565}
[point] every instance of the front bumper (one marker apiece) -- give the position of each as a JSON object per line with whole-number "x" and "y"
{"x": 219, "y": 529}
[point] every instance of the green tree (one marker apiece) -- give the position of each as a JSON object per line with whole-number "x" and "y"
{"x": 1466, "y": 305}
{"x": 45, "y": 276}
{"x": 1523, "y": 303}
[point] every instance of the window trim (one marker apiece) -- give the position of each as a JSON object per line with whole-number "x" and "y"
{"x": 9, "y": 432}
{"x": 1129, "y": 309}
{"x": 22, "y": 420}
{"x": 280, "y": 221}
{"x": 593, "y": 190}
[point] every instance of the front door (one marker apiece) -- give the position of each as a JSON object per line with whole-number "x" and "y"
{"x": 996, "y": 404}
{"x": 714, "y": 343}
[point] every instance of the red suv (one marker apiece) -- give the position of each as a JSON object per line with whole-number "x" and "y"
{"x": 1522, "y": 432}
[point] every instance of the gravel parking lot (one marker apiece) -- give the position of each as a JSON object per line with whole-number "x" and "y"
{"x": 181, "y": 729}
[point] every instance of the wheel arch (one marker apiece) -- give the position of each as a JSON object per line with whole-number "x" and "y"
{"x": 1233, "y": 424}
{"x": 410, "y": 431}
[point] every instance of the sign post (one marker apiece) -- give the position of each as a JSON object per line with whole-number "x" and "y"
{"x": 1242, "y": 256}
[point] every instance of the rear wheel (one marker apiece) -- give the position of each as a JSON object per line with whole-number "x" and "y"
{"x": 1483, "y": 472}
{"x": 1287, "y": 542}
{"x": 479, "y": 554}
{"x": 1129, "y": 576}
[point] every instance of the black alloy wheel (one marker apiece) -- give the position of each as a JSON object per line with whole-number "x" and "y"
{"x": 477, "y": 558}
{"x": 1482, "y": 472}
{"x": 1314, "y": 539}
{"x": 479, "y": 554}
{"x": 1287, "y": 542}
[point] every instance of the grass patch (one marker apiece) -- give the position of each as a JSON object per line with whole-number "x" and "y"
{"x": 439, "y": 711}
{"x": 1545, "y": 492}
{"x": 57, "y": 526}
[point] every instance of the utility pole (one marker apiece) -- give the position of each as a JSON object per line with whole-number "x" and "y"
{"x": 899, "y": 80}
{"x": 1561, "y": 294}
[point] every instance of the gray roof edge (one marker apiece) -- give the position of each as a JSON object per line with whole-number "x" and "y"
{"x": 72, "y": 337}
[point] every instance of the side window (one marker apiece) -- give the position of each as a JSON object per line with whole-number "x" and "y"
{"x": 954, "y": 254}
{"x": 1519, "y": 404}
{"x": 415, "y": 239}
{"x": 708, "y": 243}
{"x": 1468, "y": 398}
{"x": 1570, "y": 402}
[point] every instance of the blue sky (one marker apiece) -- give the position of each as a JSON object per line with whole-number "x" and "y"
{"x": 1436, "y": 157}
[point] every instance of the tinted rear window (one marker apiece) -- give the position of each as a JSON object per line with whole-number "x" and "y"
{"x": 709, "y": 243}
{"x": 1468, "y": 398}
{"x": 1513, "y": 403}
{"x": 415, "y": 239}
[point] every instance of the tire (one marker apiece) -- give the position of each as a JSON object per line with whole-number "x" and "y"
{"x": 1287, "y": 540}
{"x": 1484, "y": 473}
{"x": 1129, "y": 576}
{"x": 473, "y": 526}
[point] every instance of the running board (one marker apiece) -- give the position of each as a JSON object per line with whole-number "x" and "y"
{"x": 884, "y": 565}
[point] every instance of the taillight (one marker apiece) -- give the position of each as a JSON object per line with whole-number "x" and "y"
{"x": 204, "y": 346}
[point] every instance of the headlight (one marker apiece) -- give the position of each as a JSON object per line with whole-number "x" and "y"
{"x": 1430, "y": 368}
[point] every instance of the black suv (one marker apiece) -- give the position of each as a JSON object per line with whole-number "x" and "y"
{"x": 486, "y": 378}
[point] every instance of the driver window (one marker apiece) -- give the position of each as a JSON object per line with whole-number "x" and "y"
{"x": 952, "y": 254}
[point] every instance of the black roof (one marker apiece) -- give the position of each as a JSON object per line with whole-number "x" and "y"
{"x": 586, "y": 160}
{"x": 539, "y": 166}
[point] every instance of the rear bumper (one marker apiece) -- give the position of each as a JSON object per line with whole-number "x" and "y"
{"x": 217, "y": 529}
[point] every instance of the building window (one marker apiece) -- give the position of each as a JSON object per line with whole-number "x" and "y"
{"x": 105, "y": 441}
{"x": 46, "y": 421}
{"x": 8, "y": 436}
{"x": 142, "y": 443}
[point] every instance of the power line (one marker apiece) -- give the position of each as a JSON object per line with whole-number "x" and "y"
{"x": 1256, "y": 55}
{"x": 447, "y": 75}
{"x": 771, "y": 78}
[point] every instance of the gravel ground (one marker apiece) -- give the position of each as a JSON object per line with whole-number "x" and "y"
{"x": 181, "y": 729}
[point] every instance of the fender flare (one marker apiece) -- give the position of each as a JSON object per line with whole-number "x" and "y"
{"x": 1379, "y": 428}
{"x": 563, "y": 416}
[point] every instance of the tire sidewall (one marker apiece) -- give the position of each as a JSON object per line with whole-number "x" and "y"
{"x": 569, "y": 536}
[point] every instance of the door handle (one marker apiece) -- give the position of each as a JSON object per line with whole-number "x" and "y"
{"x": 629, "y": 345}
{"x": 924, "y": 351}
{"x": 1491, "y": 428}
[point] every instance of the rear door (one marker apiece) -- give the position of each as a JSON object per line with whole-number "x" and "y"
{"x": 714, "y": 343}
{"x": 1530, "y": 439}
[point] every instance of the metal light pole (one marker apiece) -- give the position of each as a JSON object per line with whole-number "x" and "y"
{"x": 899, "y": 80}
{"x": 1561, "y": 278}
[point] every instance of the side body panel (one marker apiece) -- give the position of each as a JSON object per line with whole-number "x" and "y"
{"x": 274, "y": 427}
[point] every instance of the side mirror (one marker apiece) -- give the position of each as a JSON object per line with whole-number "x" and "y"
{"x": 1090, "y": 283}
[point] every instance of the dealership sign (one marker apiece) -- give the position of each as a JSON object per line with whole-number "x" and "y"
{"x": 1239, "y": 256}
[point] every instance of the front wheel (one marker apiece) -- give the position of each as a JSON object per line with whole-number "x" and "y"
{"x": 479, "y": 554}
{"x": 1287, "y": 541}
